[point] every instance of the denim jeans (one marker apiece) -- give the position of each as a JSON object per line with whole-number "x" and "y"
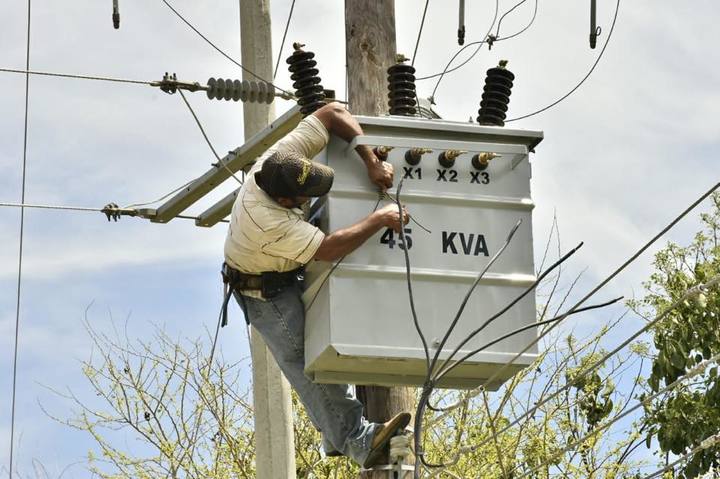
{"x": 331, "y": 407}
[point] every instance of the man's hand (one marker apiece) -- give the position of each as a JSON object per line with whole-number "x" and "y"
{"x": 381, "y": 173}
{"x": 390, "y": 217}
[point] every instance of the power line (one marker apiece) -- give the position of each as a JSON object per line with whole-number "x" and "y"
{"x": 27, "y": 71}
{"x": 22, "y": 236}
{"x": 422, "y": 24}
{"x": 82, "y": 208}
{"x": 607, "y": 41}
{"x": 282, "y": 43}
{"x": 207, "y": 40}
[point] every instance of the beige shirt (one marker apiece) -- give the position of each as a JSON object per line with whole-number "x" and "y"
{"x": 264, "y": 236}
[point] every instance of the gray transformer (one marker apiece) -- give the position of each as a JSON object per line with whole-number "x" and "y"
{"x": 359, "y": 327}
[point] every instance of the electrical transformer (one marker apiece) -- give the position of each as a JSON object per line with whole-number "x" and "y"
{"x": 466, "y": 186}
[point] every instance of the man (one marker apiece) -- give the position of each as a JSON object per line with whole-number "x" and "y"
{"x": 269, "y": 241}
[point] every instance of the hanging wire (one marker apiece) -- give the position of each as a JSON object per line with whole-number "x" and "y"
{"x": 202, "y": 130}
{"x": 521, "y": 31}
{"x": 480, "y": 44}
{"x": 207, "y": 40}
{"x": 22, "y": 236}
{"x": 576, "y": 87}
{"x": 282, "y": 43}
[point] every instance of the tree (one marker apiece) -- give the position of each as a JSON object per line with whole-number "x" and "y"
{"x": 689, "y": 336}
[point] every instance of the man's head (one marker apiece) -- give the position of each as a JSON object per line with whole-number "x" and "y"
{"x": 292, "y": 179}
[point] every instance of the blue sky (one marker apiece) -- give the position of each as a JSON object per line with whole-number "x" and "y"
{"x": 620, "y": 158}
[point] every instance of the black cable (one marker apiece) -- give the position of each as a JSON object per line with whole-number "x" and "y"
{"x": 600, "y": 55}
{"x": 22, "y": 235}
{"x": 407, "y": 275}
{"x": 524, "y": 328}
{"x": 508, "y": 306}
{"x": 207, "y": 40}
{"x": 467, "y": 297}
{"x": 282, "y": 43}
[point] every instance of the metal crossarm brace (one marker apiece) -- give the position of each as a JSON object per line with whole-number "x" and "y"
{"x": 218, "y": 211}
{"x": 235, "y": 161}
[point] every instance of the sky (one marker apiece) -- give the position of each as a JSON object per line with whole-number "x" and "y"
{"x": 634, "y": 145}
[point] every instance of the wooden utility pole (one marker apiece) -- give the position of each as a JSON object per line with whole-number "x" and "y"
{"x": 274, "y": 440}
{"x": 370, "y": 50}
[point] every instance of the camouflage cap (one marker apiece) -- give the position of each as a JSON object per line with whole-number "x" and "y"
{"x": 288, "y": 174}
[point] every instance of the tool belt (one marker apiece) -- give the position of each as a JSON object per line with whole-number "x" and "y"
{"x": 269, "y": 283}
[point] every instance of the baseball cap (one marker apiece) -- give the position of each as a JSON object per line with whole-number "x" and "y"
{"x": 289, "y": 174}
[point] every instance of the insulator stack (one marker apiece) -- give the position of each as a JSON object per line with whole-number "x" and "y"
{"x": 236, "y": 90}
{"x": 401, "y": 86}
{"x": 308, "y": 89}
{"x": 496, "y": 96}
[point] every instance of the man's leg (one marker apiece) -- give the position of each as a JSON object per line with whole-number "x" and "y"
{"x": 281, "y": 321}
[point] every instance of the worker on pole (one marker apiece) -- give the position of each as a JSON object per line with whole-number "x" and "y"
{"x": 268, "y": 244}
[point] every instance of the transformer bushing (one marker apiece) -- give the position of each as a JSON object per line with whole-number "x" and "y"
{"x": 496, "y": 96}
{"x": 401, "y": 86}
{"x": 308, "y": 90}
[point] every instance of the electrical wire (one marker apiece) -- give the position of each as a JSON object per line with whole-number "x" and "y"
{"x": 445, "y": 71}
{"x": 422, "y": 24}
{"x": 202, "y": 130}
{"x": 207, "y": 40}
{"x": 165, "y": 196}
{"x": 497, "y": 33}
{"x": 80, "y": 208}
{"x": 597, "y": 364}
{"x": 27, "y": 71}
{"x": 523, "y": 30}
{"x": 699, "y": 369}
{"x": 282, "y": 43}
{"x": 22, "y": 236}
{"x": 617, "y": 271}
{"x": 607, "y": 279}
{"x": 576, "y": 87}
{"x": 506, "y": 308}
{"x": 407, "y": 275}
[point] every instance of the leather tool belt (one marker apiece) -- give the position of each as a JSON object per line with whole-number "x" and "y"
{"x": 269, "y": 283}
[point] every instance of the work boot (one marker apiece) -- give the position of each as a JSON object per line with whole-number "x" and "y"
{"x": 383, "y": 434}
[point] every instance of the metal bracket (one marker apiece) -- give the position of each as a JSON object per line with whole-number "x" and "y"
{"x": 170, "y": 84}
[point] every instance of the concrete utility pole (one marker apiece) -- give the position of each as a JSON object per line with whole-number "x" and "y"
{"x": 274, "y": 444}
{"x": 370, "y": 50}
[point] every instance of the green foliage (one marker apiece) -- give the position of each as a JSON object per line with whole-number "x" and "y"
{"x": 690, "y": 334}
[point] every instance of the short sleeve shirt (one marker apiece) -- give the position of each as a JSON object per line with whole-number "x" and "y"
{"x": 264, "y": 236}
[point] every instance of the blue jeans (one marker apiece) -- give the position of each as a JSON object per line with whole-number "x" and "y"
{"x": 331, "y": 407}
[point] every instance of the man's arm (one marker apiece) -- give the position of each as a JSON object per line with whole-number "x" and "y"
{"x": 340, "y": 122}
{"x": 344, "y": 241}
